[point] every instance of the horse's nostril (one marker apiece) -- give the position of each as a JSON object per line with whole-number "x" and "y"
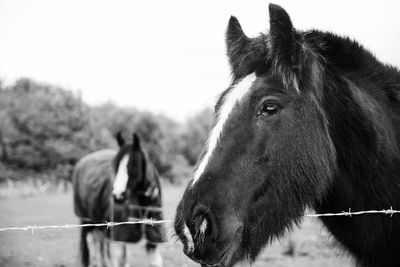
{"x": 203, "y": 224}
{"x": 200, "y": 226}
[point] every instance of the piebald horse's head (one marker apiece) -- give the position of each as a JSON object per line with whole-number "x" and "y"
{"x": 129, "y": 168}
{"x": 269, "y": 154}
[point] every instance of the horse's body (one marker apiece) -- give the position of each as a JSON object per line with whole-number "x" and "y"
{"x": 92, "y": 181}
{"x": 94, "y": 184}
{"x": 311, "y": 120}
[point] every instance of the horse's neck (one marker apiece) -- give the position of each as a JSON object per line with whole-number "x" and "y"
{"x": 367, "y": 145}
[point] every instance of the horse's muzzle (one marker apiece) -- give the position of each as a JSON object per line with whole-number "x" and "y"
{"x": 120, "y": 198}
{"x": 203, "y": 239}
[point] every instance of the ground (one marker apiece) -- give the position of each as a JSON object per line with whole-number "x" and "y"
{"x": 307, "y": 246}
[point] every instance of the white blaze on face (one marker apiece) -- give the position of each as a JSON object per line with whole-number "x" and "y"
{"x": 189, "y": 238}
{"x": 121, "y": 179}
{"x": 230, "y": 100}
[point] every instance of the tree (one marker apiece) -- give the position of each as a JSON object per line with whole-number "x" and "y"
{"x": 158, "y": 133}
{"x": 45, "y": 127}
{"x": 194, "y": 134}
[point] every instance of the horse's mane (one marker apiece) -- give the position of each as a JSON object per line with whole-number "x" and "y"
{"x": 349, "y": 56}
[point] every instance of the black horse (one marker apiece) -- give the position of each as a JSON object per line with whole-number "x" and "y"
{"x": 111, "y": 186}
{"x": 311, "y": 119}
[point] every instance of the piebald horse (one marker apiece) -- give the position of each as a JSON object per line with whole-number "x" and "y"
{"x": 106, "y": 185}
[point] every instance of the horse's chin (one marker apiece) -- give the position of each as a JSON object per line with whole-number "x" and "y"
{"x": 227, "y": 260}
{"x": 230, "y": 256}
{"x": 235, "y": 257}
{"x": 232, "y": 261}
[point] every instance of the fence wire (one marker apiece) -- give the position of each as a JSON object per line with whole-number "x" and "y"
{"x": 350, "y": 213}
{"x": 32, "y": 228}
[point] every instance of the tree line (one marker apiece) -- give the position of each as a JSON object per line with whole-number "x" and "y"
{"x": 46, "y": 129}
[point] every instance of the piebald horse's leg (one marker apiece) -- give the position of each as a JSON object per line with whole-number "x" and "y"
{"x": 132, "y": 255}
{"x": 106, "y": 251}
{"x": 118, "y": 254}
{"x": 94, "y": 240}
{"x": 154, "y": 255}
{"x": 91, "y": 248}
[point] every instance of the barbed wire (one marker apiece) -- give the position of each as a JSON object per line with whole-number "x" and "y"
{"x": 350, "y": 213}
{"x": 32, "y": 228}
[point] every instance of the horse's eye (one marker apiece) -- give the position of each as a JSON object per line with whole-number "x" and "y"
{"x": 268, "y": 109}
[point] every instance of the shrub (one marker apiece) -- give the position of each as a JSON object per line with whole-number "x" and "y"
{"x": 194, "y": 134}
{"x": 43, "y": 127}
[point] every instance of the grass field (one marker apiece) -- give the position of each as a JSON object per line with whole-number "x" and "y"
{"x": 310, "y": 244}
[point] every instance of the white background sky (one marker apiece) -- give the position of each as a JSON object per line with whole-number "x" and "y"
{"x": 163, "y": 56}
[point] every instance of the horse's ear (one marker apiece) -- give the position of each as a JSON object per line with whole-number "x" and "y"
{"x": 120, "y": 139}
{"x": 245, "y": 54}
{"x": 290, "y": 54}
{"x": 136, "y": 142}
{"x": 237, "y": 47}
{"x": 282, "y": 36}
{"x": 234, "y": 33}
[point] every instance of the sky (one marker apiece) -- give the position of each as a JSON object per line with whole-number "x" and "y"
{"x": 163, "y": 56}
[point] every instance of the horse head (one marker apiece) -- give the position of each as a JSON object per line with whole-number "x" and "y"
{"x": 129, "y": 167}
{"x": 269, "y": 154}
